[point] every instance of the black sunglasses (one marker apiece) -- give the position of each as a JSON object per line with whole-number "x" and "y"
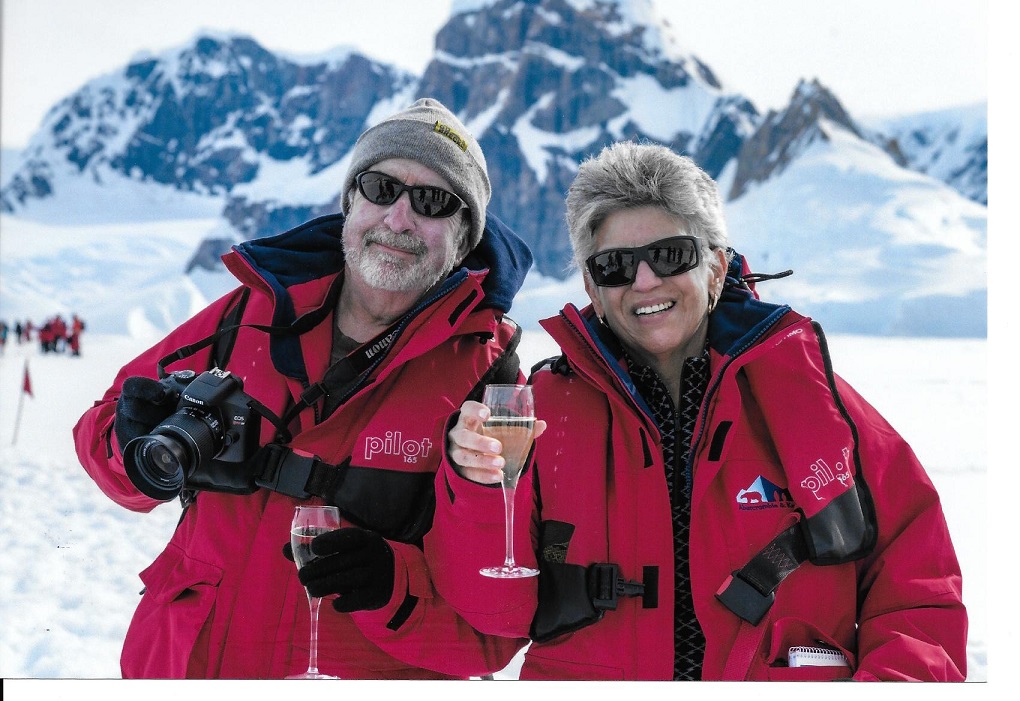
{"x": 666, "y": 257}
{"x": 426, "y": 200}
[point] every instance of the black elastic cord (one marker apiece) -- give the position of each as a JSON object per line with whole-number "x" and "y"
{"x": 752, "y": 278}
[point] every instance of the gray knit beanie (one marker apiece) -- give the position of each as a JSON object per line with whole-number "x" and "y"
{"x": 430, "y": 134}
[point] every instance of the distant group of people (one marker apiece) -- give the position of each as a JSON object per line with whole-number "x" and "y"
{"x": 55, "y": 335}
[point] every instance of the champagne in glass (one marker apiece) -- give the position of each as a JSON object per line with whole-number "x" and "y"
{"x": 512, "y": 423}
{"x": 309, "y": 522}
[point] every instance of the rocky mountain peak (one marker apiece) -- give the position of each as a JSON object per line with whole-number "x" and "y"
{"x": 784, "y": 134}
{"x": 573, "y": 47}
{"x": 542, "y": 85}
{"x": 207, "y": 117}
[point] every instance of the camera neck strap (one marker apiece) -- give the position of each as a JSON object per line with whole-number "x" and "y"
{"x": 345, "y": 374}
{"x": 304, "y": 323}
{"x": 340, "y": 377}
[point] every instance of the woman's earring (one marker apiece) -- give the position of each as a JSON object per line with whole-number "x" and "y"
{"x": 713, "y": 297}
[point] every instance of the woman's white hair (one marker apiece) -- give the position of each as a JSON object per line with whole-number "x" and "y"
{"x": 626, "y": 175}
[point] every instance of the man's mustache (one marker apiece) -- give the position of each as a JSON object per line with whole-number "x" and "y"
{"x": 404, "y": 242}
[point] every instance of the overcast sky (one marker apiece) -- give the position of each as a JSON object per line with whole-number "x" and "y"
{"x": 878, "y": 56}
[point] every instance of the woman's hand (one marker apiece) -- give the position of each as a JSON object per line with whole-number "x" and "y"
{"x": 474, "y": 455}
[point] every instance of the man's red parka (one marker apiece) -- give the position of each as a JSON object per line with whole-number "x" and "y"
{"x": 222, "y": 601}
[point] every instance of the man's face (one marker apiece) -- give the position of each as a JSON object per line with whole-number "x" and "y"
{"x": 392, "y": 247}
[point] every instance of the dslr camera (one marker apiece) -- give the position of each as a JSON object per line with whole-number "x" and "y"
{"x": 212, "y": 430}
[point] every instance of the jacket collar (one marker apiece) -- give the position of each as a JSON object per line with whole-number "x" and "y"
{"x": 297, "y": 269}
{"x": 314, "y": 250}
{"x": 739, "y": 320}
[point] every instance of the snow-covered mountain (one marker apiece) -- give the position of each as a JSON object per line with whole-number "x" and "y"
{"x": 876, "y": 248}
{"x": 217, "y": 118}
{"x": 950, "y": 145}
{"x": 225, "y": 131}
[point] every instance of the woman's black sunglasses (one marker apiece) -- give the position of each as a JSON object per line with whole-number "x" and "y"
{"x": 426, "y": 200}
{"x": 666, "y": 257}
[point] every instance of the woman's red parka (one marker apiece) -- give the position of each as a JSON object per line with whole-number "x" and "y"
{"x": 779, "y": 437}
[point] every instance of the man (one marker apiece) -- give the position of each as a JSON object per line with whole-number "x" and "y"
{"x": 376, "y": 297}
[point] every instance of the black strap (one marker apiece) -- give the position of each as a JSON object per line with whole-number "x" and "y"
{"x": 280, "y": 469}
{"x": 605, "y": 586}
{"x": 403, "y": 514}
{"x": 302, "y": 324}
{"x": 276, "y": 459}
{"x": 750, "y": 591}
{"x": 223, "y": 347}
{"x": 228, "y": 331}
{"x": 344, "y": 373}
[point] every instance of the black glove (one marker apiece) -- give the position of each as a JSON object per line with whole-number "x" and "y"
{"x": 352, "y": 562}
{"x": 144, "y": 403}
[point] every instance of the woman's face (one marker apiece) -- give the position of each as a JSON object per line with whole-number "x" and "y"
{"x": 658, "y": 319}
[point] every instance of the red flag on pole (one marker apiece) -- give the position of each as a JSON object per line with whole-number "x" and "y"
{"x": 26, "y": 388}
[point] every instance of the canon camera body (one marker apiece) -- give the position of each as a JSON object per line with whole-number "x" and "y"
{"x": 213, "y": 423}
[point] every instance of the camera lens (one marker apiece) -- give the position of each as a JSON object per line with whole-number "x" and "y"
{"x": 201, "y": 431}
{"x": 163, "y": 455}
{"x": 158, "y": 463}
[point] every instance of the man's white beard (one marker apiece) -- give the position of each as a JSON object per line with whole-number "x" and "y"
{"x": 390, "y": 273}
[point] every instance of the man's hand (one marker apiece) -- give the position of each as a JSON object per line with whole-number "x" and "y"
{"x": 143, "y": 404}
{"x": 352, "y": 562}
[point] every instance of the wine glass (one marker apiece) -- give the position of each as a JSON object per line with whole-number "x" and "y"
{"x": 309, "y": 522}
{"x": 511, "y": 422}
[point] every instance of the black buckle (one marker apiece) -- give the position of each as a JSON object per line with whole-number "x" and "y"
{"x": 742, "y": 598}
{"x": 605, "y": 586}
{"x": 282, "y": 470}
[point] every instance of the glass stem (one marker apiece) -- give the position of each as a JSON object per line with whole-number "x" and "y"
{"x": 313, "y": 641}
{"x": 509, "y": 490}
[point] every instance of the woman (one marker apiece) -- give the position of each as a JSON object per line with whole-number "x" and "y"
{"x": 708, "y": 496}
